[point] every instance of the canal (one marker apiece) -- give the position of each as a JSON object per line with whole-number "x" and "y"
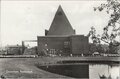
{"x": 85, "y": 70}
{"x": 26, "y": 68}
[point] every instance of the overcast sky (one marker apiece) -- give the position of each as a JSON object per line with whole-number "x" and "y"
{"x": 25, "y": 20}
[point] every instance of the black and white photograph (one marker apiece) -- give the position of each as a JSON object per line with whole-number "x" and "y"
{"x": 59, "y": 39}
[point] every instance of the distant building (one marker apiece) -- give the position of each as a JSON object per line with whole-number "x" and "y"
{"x": 61, "y": 38}
{"x": 30, "y": 51}
{"x": 14, "y": 50}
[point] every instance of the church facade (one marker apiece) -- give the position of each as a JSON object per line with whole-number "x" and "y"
{"x": 61, "y": 39}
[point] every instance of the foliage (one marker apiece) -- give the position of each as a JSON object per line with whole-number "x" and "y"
{"x": 95, "y": 38}
{"x": 96, "y": 46}
{"x": 112, "y": 7}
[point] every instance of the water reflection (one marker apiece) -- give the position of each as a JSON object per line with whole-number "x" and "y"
{"x": 76, "y": 71}
{"x": 102, "y": 69}
{"x": 89, "y": 71}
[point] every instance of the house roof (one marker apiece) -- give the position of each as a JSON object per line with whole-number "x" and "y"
{"x": 60, "y": 24}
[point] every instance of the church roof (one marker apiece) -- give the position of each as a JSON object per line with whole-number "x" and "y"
{"x": 60, "y": 24}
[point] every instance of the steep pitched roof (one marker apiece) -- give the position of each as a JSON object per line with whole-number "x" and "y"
{"x": 60, "y": 24}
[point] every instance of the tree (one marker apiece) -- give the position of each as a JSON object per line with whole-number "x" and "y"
{"x": 112, "y": 7}
{"x": 96, "y": 46}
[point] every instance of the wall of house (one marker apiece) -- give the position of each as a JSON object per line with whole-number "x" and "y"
{"x": 52, "y": 44}
{"x": 79, "y": 44}
{"x": 14, "y": 51}
{"x": 76, "y": 44}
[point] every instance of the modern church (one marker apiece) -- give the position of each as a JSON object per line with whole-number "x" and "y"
{"x": 61, "y": 39}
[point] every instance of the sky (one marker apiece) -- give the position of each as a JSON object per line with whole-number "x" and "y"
{"x": 25, "y": 20}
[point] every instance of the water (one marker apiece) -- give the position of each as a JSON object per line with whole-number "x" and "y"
{"x": 76, "y": 71}
{"x": 101, "y": 69}
{"x": 81, "y": 70}
{"x": 90, "y": 71}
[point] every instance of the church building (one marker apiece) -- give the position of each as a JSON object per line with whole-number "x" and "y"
{"x": 61, "y": 38}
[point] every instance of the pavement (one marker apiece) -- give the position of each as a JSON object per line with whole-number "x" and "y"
{"x": 23, "y": 68}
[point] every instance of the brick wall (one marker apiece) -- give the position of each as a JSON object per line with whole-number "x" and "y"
{"x": 76, "y": 44}
{"x": 51, "y": 44}
{"x": 79, "y": 44}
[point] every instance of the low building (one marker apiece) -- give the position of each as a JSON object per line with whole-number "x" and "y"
{"x": 14, "y": 50}
{"x": 30, "y": 51}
